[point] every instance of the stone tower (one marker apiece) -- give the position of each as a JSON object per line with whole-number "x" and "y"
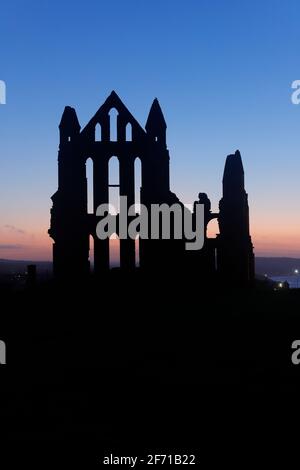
{"x": 235, "y": 249}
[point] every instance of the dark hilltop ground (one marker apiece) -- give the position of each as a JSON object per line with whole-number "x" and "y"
{"x": 156, "y": 362}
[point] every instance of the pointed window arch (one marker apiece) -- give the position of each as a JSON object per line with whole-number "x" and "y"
{"x": 128, "y": 132}
{"x": 113, "y": 124}
{"x": 98, "y": 132}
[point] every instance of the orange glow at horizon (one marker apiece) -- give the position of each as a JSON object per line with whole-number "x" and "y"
{"x": 269, "y": 240}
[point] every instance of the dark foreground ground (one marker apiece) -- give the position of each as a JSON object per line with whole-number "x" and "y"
{"x": 132, "y": 365}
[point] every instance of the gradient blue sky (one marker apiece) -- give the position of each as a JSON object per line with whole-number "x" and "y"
{"x": 222, "y": 71}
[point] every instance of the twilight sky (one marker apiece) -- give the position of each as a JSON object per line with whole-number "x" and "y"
{"x": 221, "y": 69}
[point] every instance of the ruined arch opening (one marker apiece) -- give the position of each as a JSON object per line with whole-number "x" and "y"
{"x": 212, "y": 232}
{"x": 114, "y": 208}
{"x": 213, "y": 228}
{"x": 90, "y": 185}
{"x": 137, "y": 202}
{"x": 114, "y": 251}
{"x": 91, "y": 253}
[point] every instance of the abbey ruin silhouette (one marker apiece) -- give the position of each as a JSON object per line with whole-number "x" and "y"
{"x": 229, "y": 256}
